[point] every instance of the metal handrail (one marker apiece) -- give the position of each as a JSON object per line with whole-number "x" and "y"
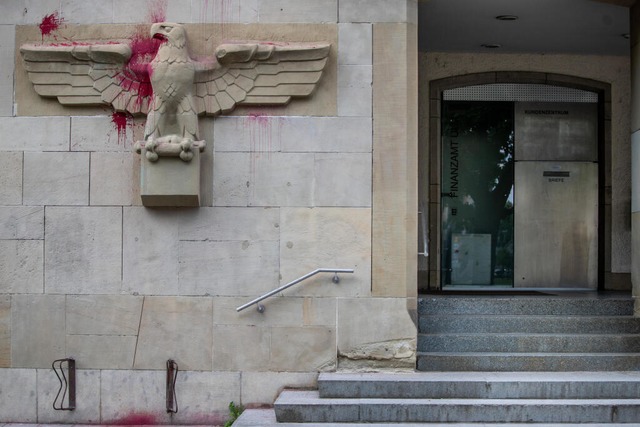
{"x": 335, "y": 279}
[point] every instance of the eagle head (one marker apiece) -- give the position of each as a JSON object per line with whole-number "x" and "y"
{"x": 171, "y": 33}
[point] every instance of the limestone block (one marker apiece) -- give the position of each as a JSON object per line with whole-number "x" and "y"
{"x": 231, "y": 224}
{"x": 7, "y": 55}
{"x": 56, "y": 179}
{"x": 52, "y": 133}
{"x": 298, "y": 11}
{"x": 227, "y": 268}
{"x": 395, "y": 166}
{"x": 31, "y": 12}
{"x": 113, "y": 179}
{"x": 371, "y": 320}
{"x": 280, "y": 311}
{"x": 5, "y": 331}
{"x": 105, "y": 133}
{"x": 21, "y": 222}
{"x": 77, "y": 11}
{"x": 150, "y": 248}
{"x": 178, "y": 328}
{"x": 87, "y": 398}
{"x": 302, "y": 349}
{"x": 145, "y": 11}
{"x": 355, "y": 44}
{"x": 83, "y": 254}
{"x": 241, "y": 348}
{"x": 255, "y": 134}
{"x": 103, "y": 314}
{"x": 135, "y": 397}
{"x": 354, "y": 90}
{"x": 376, "y": 10}
{"x": 328, "y": 238}
{"x": 102, "y": 351}
{"x": 224, "y": 11}
{"x": 170, "y": 181}
{"x": 21, "y": 266}
{"x": 327, "y": 134}
{"x": 37, "y": 330}
{"x": 262, "y": 179}
{"x": 319, "y": 311}
{"x": 154, "y": 242}
{"x": 264, "y": 387}
{"x": 19, "y": 401}
{"x": 342, "y": 179}
{"x": 11, "y": 178}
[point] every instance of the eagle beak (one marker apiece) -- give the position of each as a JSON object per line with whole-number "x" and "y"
{"x": 157, "y": 32}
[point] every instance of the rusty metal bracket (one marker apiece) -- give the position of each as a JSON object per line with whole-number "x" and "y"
{"x": 67, "y": 384}
{"x": 172, "y": 375}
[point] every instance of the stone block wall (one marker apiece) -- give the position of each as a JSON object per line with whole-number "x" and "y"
{"x": 87, "y": 272}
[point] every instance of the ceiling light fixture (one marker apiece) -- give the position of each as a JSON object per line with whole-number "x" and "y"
{"x": 491, "y": 45}
{"x": 507, "y": 18}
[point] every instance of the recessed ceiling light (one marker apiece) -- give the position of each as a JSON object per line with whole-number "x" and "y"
{"x": 491, "y": 45}
{"x": 507, "y": 18}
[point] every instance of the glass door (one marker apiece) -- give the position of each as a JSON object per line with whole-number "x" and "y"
{"x": 477, "y": 185}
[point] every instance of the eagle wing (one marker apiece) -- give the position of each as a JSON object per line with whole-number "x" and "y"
{"x": 258, "y": 74}
{"x": 88, "y": 74}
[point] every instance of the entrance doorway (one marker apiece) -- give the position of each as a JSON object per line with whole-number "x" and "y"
{"x": 519, "y": 199}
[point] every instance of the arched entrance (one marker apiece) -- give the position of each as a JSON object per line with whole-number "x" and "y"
{"x": 536, "y": 165}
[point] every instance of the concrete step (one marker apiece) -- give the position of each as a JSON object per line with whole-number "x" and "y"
{"x": 531, "y": 324}
{"x": 267, "y": 417}
{"x": 476, "y": 385}
{"x": 307, "y": 406}
{"x": 505, "y": 362}
{"x": 528, "y": 343}
{"x": 525, "y": 305}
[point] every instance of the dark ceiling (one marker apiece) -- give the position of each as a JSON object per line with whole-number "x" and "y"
{"x": 542, "y": 26}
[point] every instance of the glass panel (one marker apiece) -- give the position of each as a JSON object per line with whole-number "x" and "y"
{"x": 477, "y": 193}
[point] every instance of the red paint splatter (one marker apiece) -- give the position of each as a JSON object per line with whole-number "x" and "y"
{"x": 50, "y": 23}
{"x": 121, "y": 121}
{"x": 136, "y": 74}
{"x": 141, "y": 419}
{"x": 156, "y": 10}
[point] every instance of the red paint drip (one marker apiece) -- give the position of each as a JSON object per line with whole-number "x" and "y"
{"x": 221, "y": 11}
{"x": 156, "y": 10}
{"x": 49, "y": 24}
{"x": 261, "y": 137}
{"x": 121, "y": 121}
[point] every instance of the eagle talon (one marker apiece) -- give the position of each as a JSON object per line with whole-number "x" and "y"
{"x": 150, "y": 147}
{"x": 186, "y": 154}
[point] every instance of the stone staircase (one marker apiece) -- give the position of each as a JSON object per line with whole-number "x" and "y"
{"x": 585, "y": 332}
{"x": 502, "y": 360}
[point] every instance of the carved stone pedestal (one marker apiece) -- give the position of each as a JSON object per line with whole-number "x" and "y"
{"x": 170, "y": 182}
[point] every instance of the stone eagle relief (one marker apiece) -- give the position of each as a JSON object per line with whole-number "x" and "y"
{"x": 173, "y": 89}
